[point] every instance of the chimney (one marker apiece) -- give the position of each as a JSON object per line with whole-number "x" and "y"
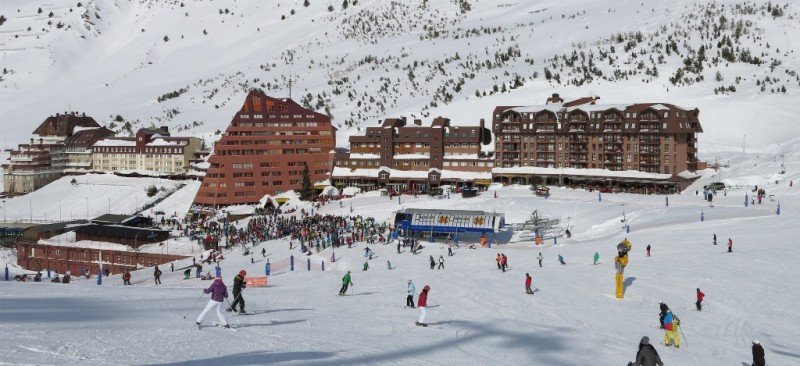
{"x": 84, "y": 114}
{"x": 418, "y": 122}
{"x": 56, "y": 114}
{"x": 31, "y": 141}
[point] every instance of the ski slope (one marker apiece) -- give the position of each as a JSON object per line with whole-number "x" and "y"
{"x": 478, "y": 315}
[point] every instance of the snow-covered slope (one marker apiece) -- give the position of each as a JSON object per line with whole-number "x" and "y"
{"x": 187, "y": 64}
{"x": 478, "y": 315}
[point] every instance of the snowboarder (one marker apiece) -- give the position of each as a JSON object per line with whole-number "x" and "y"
{"x": 157, "y": 275}
{"x": 758, "y": 354}
{"x": 671, "y": 335}
{"x": 528, "y": 281}
{"x": 596, "y": 258}
{"x": 411, "y": 292}
{"x": 715, "y": 239}
{"x": 422, "y": 303}
{"x": 730, "y": 245}
{"x": 433, "y": 263}
{"x": 346, "y": 282}
{"x": 647, "y": 355}
{"x": 648, "y": 250}
{"x": 700, "y": 296}
{"x": 561, "y": 260}
{"x": 218, "y": 291}
{"x": 126, "y": 278}
{"x": 664, "y": 309}
{"x": 441, "y": 262}
{"x": 366, "y": 266}
{"x": 540, "y": 259}
{"x": 239, "y": 284}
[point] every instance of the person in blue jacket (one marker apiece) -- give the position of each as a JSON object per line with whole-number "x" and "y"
{"x": 411, "y": 292}
{"x": 561, "y": 259}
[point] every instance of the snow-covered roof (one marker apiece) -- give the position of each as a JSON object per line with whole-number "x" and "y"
{"x": 598, "y": 107}
{"x": 409, "y": 174}
{"x": 553, "y": 107}
{"x": 411, "y": 156}
{"x": 164, "y": 142}
{"x": 633, "y": 174}
{"x": 77, "y": 129}
{"x": 329, "y": 191}
{"x": 115, "y": 142}
{"x": 364, "y": 156}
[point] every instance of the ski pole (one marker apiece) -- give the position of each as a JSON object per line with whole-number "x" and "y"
{"x": 233, "y": 316}
{"x": 194, "y": 304}
{"x": 683, "y": 335}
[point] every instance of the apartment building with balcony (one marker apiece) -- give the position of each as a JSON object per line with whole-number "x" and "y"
{"x": 410, "y": 156}
{"x": 61, "y": 145}
{"x": 150, "y": 150}
{"x": 657, "y": 138}
{"x": 264, "y": 150}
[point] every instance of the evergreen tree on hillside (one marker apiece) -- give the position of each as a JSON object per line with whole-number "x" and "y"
{"x": 306, "y": 190}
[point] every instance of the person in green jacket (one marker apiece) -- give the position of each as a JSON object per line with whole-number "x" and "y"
{"x": 346, "y": 282}
{"x": 366, "y": 266}
{"x": 596, "y": 258}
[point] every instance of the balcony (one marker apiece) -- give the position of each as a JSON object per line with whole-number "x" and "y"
{"x": 650, "y": 151}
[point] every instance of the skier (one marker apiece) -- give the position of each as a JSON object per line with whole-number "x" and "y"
{"x": 126, "y": 278}
{"x": 411, "y": 292}
{"x": 528, "y": 281}
{"x": 561, "y": 260}
{"x": 433, "y": 263}
{"x": 671, "y": 335}
{"x": 398, "y": 246}
{"x": 157, "y": 275}
{"x": 700, "y": 296}
{"x": 441, "y": 262}
{"x": 449, "y": 251}
{"x": 664, "y": 309}
{"x": 540, "y": 259}
{"x": 263, "y": 252}
{"x": 730, "y": 245}
{"x": 758, "y": 354}
{"x": 389, "y": 265}
{"x": 187, "y": 273}
{"x": 715, "y": 239}
{"x": 217, "y": 291}
{"x": 346, "y": 282}
{"x": 239, "y": 284}
{"x": 596, "y": 258}
{"x": 647, "y": 355}
{"x": 499, "y": 259}
{"x": 503, "y": 262}
{"x": 366, "y": 266}
{"x": 422, "y": 303}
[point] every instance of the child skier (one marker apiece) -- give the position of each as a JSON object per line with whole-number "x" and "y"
{"x": 126, "y": 278}
{"x": 648, "y": 250}
{"x": 346, "y": 282}
{"x": 218, "y": 291}
{"x": 239, "y": 284}
{"x": 411, "y": 292}
{"x": 422, "y": 303}
{"x": 157, "y": 275}
{"x": 596, "y": 258}
{"x": 700, "y": 296}
{"x": 187, "y": 273}
{"x": 366, "y": 266}
{"x": 433, "y": 263}
{"x": 441, "y": 262}
{"x": 540, "y": 259}
{"x": 528, "y": 281}
{"x": 647, "y": 355}
{"x": 730, "y": 245}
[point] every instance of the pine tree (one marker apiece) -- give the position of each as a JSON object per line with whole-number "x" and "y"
{"x": 345, "y": 4}
{"x": 306, "y": 3}
{"x": 306, "y": 190}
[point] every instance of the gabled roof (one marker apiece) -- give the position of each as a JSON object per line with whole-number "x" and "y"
{"x": 64, "y": 124}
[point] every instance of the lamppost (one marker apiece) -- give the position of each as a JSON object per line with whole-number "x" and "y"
{"x": 4, "y": 211}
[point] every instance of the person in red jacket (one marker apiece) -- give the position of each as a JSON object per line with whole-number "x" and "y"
{"x": 700, "y": 296}
{"x": 528, "y": 280}
{"x": 422, "y": 303}
{"x": 730, "y": 245}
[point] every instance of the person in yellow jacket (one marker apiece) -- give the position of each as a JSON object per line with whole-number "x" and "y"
{"x": 671, "y": 333}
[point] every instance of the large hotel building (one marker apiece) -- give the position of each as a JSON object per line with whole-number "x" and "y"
{"x": 581, "y": 133}
{"x": 409, "y": 156}
{"x": 264, "y": 151}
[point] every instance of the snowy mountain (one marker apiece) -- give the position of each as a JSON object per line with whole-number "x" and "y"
{"x": 187, "y": 64}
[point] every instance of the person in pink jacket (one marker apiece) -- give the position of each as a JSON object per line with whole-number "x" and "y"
{"x": 218, "y": 291}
